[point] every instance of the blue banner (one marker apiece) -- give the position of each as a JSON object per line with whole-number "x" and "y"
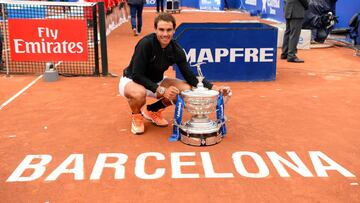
{"x": 345, "y": 9}
{"x": 231, "y": 51}
{"x": 273, "y": 9}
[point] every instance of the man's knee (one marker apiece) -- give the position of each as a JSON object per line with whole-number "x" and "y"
{"x": 137, "y": 94}
{"x": 184, "y": 86}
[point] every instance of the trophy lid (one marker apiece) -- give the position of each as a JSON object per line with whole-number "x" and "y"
{"x": 199, "y": 92}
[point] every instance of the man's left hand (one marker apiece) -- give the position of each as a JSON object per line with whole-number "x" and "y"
{"x": 225, "y": 90}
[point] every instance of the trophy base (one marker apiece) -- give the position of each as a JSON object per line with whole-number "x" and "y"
{"x": 203, "y": 139}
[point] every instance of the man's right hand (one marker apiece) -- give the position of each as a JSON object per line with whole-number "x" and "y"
{"x": 171, "y": 93}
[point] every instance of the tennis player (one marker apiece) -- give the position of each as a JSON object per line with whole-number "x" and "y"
{"x": 144, "y": 77}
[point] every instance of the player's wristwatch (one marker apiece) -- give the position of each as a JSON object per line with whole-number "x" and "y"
{"x": 162, "y": 90}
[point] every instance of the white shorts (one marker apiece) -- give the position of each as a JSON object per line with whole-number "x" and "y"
{"x": 124, "y": 81}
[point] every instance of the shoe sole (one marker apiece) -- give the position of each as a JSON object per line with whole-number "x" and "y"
{"x": 296, "y": 61}
{"x": 136, "y": 133}
{"x": 149, "y": 119}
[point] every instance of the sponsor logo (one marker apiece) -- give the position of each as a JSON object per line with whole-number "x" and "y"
{"x": 273, "y": 3}
{"x": 263, "y": 9}
{"x": 272, "y": 11}
{"x": 151, "y": 2}
{"x": 48, "y": 40}
{"x": 179, "y": 110}
{"x": 250, "y": 2}
{"x": 232, "y": 55}
{"x": 209, "y": 4}
{"x": 301, "y": 40}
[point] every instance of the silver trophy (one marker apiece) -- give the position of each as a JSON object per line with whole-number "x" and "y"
{"x": 200, "y": 102}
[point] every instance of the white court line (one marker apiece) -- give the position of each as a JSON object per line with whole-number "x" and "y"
{"x": 20, "y": 92}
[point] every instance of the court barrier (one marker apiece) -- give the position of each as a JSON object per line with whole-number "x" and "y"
{"x": 232, "y": 51}
{"x": 71, "y": 35}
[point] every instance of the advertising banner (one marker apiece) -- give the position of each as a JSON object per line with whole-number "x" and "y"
{"x": 231, "y": 51}
{"x": 345, "y": 10}
{"x": 273, "y": 9}
{"x": 48, "y": 40}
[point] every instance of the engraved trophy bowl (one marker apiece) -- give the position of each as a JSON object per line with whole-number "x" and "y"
{"x": 200, "y": 130}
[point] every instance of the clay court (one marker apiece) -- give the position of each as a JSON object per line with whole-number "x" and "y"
{"x": 310, "y": 114}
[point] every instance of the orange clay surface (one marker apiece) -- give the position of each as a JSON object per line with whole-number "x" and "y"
{"x": 313, "y": 106}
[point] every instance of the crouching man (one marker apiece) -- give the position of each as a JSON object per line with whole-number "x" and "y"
{"x": 144, "y": 77}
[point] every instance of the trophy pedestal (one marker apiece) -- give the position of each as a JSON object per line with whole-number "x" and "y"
{"x": 200, "y": 132}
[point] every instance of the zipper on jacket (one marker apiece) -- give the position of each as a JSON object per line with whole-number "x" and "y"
{"x": 162, "y": 58}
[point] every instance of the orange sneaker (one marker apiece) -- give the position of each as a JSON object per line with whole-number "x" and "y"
{"x": 155, "y": 117}
{"x": 137, "y": 124}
